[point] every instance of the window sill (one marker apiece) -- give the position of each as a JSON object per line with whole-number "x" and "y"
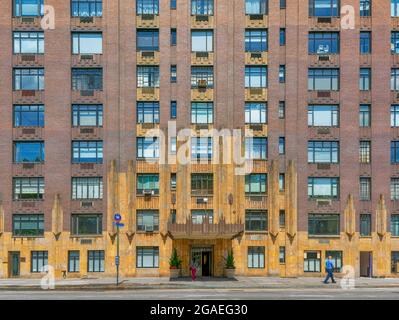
{"x": 323, "y": 236}
{"x": 78, "y": 236}
{"x": 256, "y": 232}
{"x": 28, "y": 237}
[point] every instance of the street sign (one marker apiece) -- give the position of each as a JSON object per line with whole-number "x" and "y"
{"x": 117, "y": 224}
{"x": 117, "y": 217}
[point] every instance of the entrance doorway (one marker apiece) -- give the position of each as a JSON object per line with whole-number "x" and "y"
{"x": 14, "y": 264}
{"x": 366, "y": 264}
{"x": 202, "y": 259}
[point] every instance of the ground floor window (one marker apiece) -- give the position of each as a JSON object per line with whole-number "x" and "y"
{"x": 395, "y": 261}
{"x": 95, "y": 261}
{"x": 312, "y": 261}
{"x": 337, "y": 259}
{"x": 282, "y": 255}
{"x": 147, "y": 257}
{"x": 39, "y": 259}
{"x": 256, "y": 257}
{"x": 73, "y": 261}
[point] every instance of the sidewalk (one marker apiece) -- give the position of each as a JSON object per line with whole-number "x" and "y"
{"x": 186, "y": 283}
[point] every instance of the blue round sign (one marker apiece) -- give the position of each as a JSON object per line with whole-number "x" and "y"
{"x": 117, "y": 217}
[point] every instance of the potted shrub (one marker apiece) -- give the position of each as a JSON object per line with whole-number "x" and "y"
{"x": 230, "y": 267}
{"x": 174, "y": 264}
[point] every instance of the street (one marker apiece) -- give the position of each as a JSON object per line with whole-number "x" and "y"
{"x": 198, "y": 294}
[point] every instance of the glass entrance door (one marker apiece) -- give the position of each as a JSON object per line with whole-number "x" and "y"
{"x": 202, "y": 259}
{"x": 14, "y": 259}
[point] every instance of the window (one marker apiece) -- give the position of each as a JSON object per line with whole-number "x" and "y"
{"x": 365, "y": 8}
{"x": 95, "y": 261}
{"x": 87, "y": 188}
{"x": 282, "y": 218}
{"x": 202, "y": 7}
{"x": 395, "y": 8}
{"x": 395, "y": 225}
{"x": 324, "y": 8}
{"x": 394, "y": 152}
{"x": 73, "y": 261}
{"x": 323, "y": 116}
{"x": 200, "y": 216}
{"x": 201, "y": 77}
{"x": 255, "y": 220}
{"x": 395, "y": 261}
{"x": 87, "y": 8}
{"x": 394, "y": 79}
{"x": 28, "y": 42}
{"x": 147, "y": 76}
{"x": 283, "y": 4}
{"x": 87, "y": 79}
{"x": 364, "y": 115}
{"x": 323, "y": 188}
{"x": 87, "y": 151}
{"x": 282, "y": 36}
{"x": 365, "y": 79}
{"x": 281, "y": 110}
{"x": 255, "y": 77}
{"x": 255, "y": 40}
{"x": 281, "y": 145}
{"x": 173, "y": 215}
{"x": 365, "y": 188}
{"x": 147, "y": 257}
{"x": 173, "y": 181}
{"x": 173, "y": 73}
{"x": 365, "y": 152}
{"x": 173, "y": 145}
{"x": 147, "y": 40}
{"x": 365, "y": 42}
{"x": 323, "y": 42}
{"x": 312, "y": 261}
{"x": 28, "y": 225}
{"x": 323, "y": 79}
{"x": 394, "y": 188}
{"x": 256, "y": 184}
{"x": 256, "y": 6}
{"x": 256, "y": 257}
{"x": 28, "y": 151}
{"x": 173, "y": 37}
{"x": 28, "y": 116}
{"x": 173, "y": 4}
{"x": 38, "y": 261}
{"x": 28, "y": 188}
{"x": 86, "y": 224}
{"x": 323, "y": 151}
{"x": 201, "y": 184}
{"x": 256, "y": 148}
{"x": 28, "y": 79}
{"x": 28, "y": 8}
{"x": 147, "y": 148}
{"x": 202, "y": 41}
{"x": 87, "y": 115}
{"x": 336, "y": 257}
{"x": 202, "y": 112}
{"x": 147, "y": 220}
{"x": 173, "y": 109}
{"x": 281, "y": 74}
{"x": 395, "y": 115}
{"x": 395, "y": 42}
{"x": 324, "y": 224}
{"x": 87, "y": 43}
{"x": 365, "y": 225}
{"x": 281, "y": 255}
{"x": 201, "y": 148}
{"x": 281, "y": 182}
{"x": 255, "y": 113}
{"x": 147, "y": 183}
{"x": 147, "y": 112}
{"x": 147, "y": 6}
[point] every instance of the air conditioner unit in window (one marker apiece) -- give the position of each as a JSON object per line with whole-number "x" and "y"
{"x": 148, "y": 228}
{"x": 148, "y": 193}
{"x": 202, "y": 200}
{"x": 202, "y": 83}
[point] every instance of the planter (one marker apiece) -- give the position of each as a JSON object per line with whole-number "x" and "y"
{"x": 229, "y": 273}
{"x": 174, "y": 273}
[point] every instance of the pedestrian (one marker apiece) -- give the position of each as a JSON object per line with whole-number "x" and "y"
{"x": 329, "y": 269}
{"x": 193, "y": 270}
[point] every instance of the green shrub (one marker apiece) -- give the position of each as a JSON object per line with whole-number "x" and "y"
{"x": 174, "y": 261}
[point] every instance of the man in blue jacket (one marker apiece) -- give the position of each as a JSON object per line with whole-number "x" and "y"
{"x": 329, "y": 269}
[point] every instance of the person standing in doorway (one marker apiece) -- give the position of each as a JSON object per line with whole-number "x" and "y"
{"x": 329, "y": 270}
{"x": 193, "y": 270}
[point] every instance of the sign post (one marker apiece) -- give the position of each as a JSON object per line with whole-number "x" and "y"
{"x": 117, "y": 218}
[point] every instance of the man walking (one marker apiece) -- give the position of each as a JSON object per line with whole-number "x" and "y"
{"x": 329, "y": 269}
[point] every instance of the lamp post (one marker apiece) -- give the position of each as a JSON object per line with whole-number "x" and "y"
{"x": 117, "y": 218}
